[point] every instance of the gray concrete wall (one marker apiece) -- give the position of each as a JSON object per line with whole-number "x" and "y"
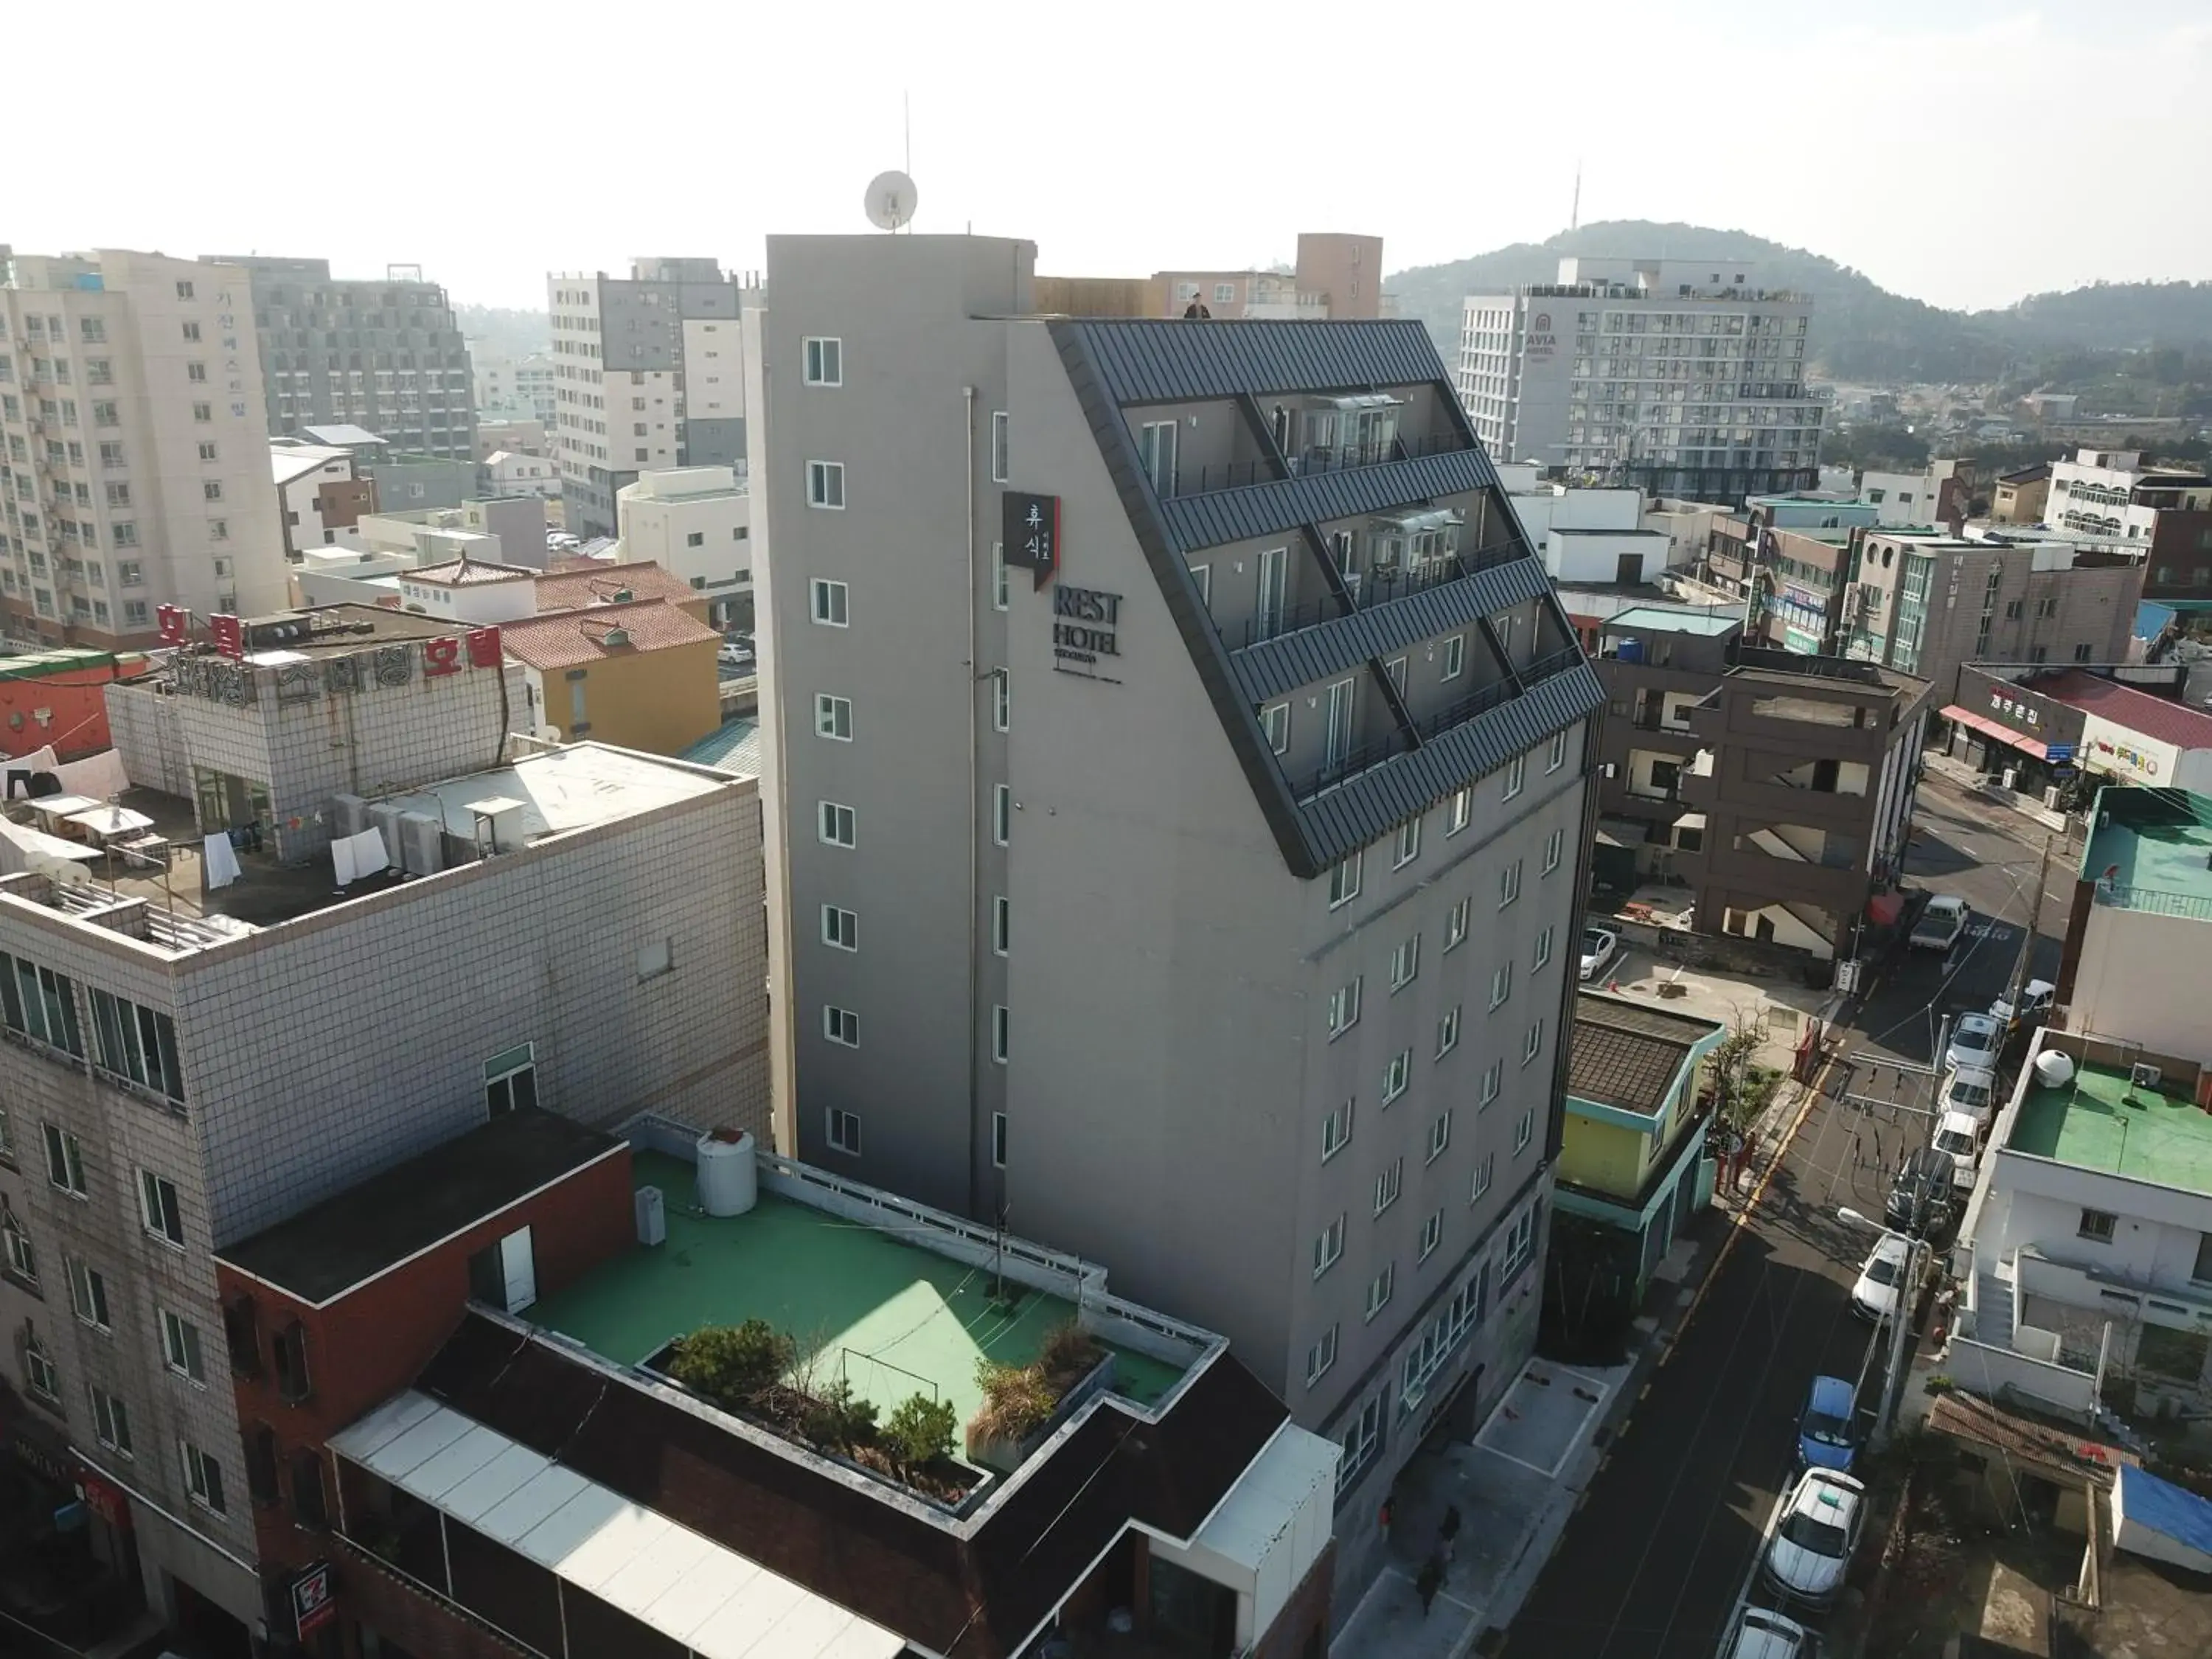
{"x": 714, "y": 443}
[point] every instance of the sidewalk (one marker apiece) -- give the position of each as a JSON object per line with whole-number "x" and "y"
{"x": 1966, "y": 777}
{"x": 1519, "y": 1481}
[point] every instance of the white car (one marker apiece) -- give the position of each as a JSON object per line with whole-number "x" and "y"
{"x": 1759, "y": 1634}
{"x": 1812, "y": 1548}
{"x": 1881, "y": 1279}
{"x": 734, "y": 656}
{"x": 1940, "y": 924}
{"x": 1598, "y": 946}
{"x": 2035, "y": 1003}
{"x": 1973, "y": 1090}
{"x": 1976, "y": 1041}
{"x": 1959, "y": 1137}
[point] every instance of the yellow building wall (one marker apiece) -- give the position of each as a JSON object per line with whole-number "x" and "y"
{"x": 660, "y": 702}
{"x": 1604, "y": 1158}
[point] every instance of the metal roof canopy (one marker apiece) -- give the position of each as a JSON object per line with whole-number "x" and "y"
{"x": 1435, "y": 518}
{"x": 1363, "y": 400}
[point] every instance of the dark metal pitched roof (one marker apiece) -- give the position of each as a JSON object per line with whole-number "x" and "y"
{"x": 1156, "y": 361}
{"x": 1289, "y": 660}
{"x": 1265, "y": 509}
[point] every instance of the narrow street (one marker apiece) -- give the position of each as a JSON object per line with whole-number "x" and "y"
{"x": 1652, "y": 1564}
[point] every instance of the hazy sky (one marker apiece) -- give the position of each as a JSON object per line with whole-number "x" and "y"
{"x": 1965, "y": 151}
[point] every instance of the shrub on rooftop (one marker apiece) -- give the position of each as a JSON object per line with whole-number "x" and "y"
{"x": 920, "y": 1429}
{"x": 732, "y": 1366}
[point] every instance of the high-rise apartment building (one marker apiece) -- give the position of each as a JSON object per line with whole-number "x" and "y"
{"x": 384, "y": 354}
{"x": 1177, "y": 797}
{"x": 648, "y": 373}
{"x": 1681, "y": 377}
{"x": 516, "y": 388}
{"x": 137, "y": 464}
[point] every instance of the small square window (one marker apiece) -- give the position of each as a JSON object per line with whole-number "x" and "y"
{"x": 1494, "y": 1079}
{"x": 1397, "y": 1074}
{"x": 1524, "y": 1130}
{"x": 1344, "y": 881}
{"x": 1321, "y": 1356}
{"x": 1001, "y": 1033}
{"x": 833, "y": 717}
{"x": 1405, "y": 963}
{"x": 1408, "y": 847}
{"x": 1387, "y": 1183}
{"x": 1509, "y": 883}
{"x": 1533, "y": 1043}
{"x": 1501, "y": 984}
{"x": 158, "y": 1208}
{"x": 2097, "y": 1226}
{"x": 831, "y": 603}
{"x": 841, "y": 1026}
{"x": 1336, "y": 1130}
{"x": 1432, "y": 1232}
{"x": 1001, "y": 440}
{"x": 1344, "y": 1008}
{"x": 1328, "y": 1245}
{"x": 825, "y": 484}
{"x": 1439, "y": 1135}
{"x": 825, "y": 362}
{"x": 1483, "y": 1170}
{"x": 841, "y": 929}
{"x": 180, "y": 1347}
{"x": 842, "y": 1130}
{"x": 1456, "y": 924}
{"x": 1448, "y": 1033}
{"x": 1002, "y": 923}
{"x": 838, "y": 825}
{"x": 1554, "y": 845}
{"x": 1543, "y": 952}
{"x": 1516, "y": 771}
{"x": 998, "y": 1140}
{"x": 1002, "y": 814}
{"x": 1379, "y": 1289}
{"x": 1557, "y": 757}
{"x": 1460, "y": 813}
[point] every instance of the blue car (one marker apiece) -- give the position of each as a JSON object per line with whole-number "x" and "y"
{"x": 1824, "y": 1440}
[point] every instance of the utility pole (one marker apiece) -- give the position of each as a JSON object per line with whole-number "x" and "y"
{"x": 2027, "y": 937}
{"x": 1900, "y": 1322}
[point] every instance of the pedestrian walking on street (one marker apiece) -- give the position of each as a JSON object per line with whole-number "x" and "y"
{"x": 1448, "y": 1532}
{"x": 1430, "y": 1581}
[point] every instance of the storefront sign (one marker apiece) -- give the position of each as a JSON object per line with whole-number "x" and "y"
{"x": 312, "y": 1604}
{"x": 1030, "y": 528}
{"x": 2014, "y": 708}
{"x": 105, "y": 1499}
{"x": 1085, "y": 628}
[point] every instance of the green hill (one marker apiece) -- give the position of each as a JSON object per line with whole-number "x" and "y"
{"x": 1860, "y": 331}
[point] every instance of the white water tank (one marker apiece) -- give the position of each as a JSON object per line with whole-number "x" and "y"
{"x": 729, "y": 1175}
{"x": 651, "y": 1216}
{"x": 2054, "y": 1068}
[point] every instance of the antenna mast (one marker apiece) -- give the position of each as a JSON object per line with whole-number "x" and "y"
{"x": 1575, "y": 212}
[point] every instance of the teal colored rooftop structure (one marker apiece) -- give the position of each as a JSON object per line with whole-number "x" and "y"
{"x": 885, "y": 1314}
{"x": 2151, "y": 850}
{"x": 2099, "y": 1122}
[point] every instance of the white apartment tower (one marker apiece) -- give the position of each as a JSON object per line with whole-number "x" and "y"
{"x": 648, "y": 374}
{"x": 137, "y": 464}
{"x": 1684, "y": 378}
{"x": 1176, "y": 798}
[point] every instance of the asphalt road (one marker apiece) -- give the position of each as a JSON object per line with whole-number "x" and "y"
{"x": 1652, "y": 1564}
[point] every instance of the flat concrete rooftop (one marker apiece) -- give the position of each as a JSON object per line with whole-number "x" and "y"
{"x": 898, "y": 1318}
{"x": 2152, "y": 850}
{"x": 2098, "y": 1122}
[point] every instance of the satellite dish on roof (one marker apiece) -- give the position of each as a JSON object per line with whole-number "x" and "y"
{"x": 891, "y": 200}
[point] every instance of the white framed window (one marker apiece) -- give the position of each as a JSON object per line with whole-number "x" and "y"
{"x": 1225, "y": 294}
{"x": 88, "y": 1294}
{"x": 825, "y": 362}
{"x": 1493, "y": 1079}
{"x": 833, "y": 717}
{"x": 1516, "y": 772}
{"x": 1335, "y": 1131}
{"x": 841, "y": 929}
{"x": 1001, "y": 585}
{"x": 1534, "y": 1042}
{"x": 1396, "y": 668}
{"x": 1321, "y": 1356}
{"x": 22, "y": 1255}
{"x": 1397, "y": 1075}
{"x": 1543, "y": 953}
{"x": 1002, "y": 922}
{"x": 64, "y": 1159}
{"x": 1456, "y": 924}
{"x": 1520, "y": 1244}
{"x": 838, "y": 826}
{"x": 1460, "y": 812}
{"x": 1454, "y": 657}
{"x": 1001, "y": 1033}
{"x": 1387, "y": 1183}
{"x": 998, "y": 1140}
{"x": 1448, "y": 1032}
{"x": 111, "y": 1419}
{"x": 1439, "y": 1135}
{"x": 38, "y": 1373}
{"x": 158, "y": 1208}
{"x": 1524, "y": 1131}
{"x": 825, "y": 485}
{"x": 1501, "y": 984}
{"x": 1432, "y": 1233}
{"x": 1555, "y": 845}
{"x": 1002, "y": 700}
{"x": 510, "y": 1079}
{"x": 1328, "y": 1244}
{"x": 1343, "y": 1007}
{"x": 1556, "y": 755}
{"x": 1002, "y": 436}
{"x": 1361, "y": 1437}
{"x": 181, "y": 1347}
{"x": 1485, "y": 1167}
{"x": 842, "y": 1130}
{"x": 1344, "y": 880}
{"x": 841, "y": 1025}
{"x": 1201, "y": 577}
{"x": 832, "y": 606}
{"x": 1405, "y": 963}
{"x": 1408, "y": 845}
{"x": 1379, "y": 1289}
{"x": 202, "y": 1477}
{"x": 1275, "y": 721}
{"x": 1509, "y": 883}
{"x": 1002, "y": 813}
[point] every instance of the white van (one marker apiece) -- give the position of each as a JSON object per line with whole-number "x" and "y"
{"x": 1971, "y": 1089}
{"x": 1959, "y": 1135}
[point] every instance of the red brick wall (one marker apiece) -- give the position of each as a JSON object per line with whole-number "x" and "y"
{"x": 369, "y": 1345}
{"x": 77, "y": 722}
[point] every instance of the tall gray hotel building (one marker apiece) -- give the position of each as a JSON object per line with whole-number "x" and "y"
{"x": 1179, "y": 785}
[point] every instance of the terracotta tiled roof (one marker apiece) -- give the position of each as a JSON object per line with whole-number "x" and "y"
{"x": 2155, "y": 717}
{"x": 567, "y": 639}
{"x": 571, "y": 590}
{"x": 467, "y": 573}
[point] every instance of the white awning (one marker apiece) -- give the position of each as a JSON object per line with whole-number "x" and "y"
{"x": 1437, "y": 518}
{"x": 718, "y": 1603}
{"x": 1363, "y": 400}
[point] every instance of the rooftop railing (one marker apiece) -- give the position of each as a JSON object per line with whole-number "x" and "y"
{"x": 2193, "y": 906}
{"x": 1308, "y": 463}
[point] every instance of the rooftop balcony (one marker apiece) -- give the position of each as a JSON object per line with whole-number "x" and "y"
{"x": 1308, "y": 463}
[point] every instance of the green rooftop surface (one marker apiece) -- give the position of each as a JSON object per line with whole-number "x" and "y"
{"x": 2089, "y": 1124}
{"x": 2152, "y": 850}
{"x": 1658, "y": 620}
{"x": 898, "y": 1318}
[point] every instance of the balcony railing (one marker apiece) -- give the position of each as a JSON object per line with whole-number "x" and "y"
{"x": 1368, "y": 756}
{"x": 2151, "y": 901}
{"x": 1374, "y": 588}
{"x": 1308, "y": 463}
